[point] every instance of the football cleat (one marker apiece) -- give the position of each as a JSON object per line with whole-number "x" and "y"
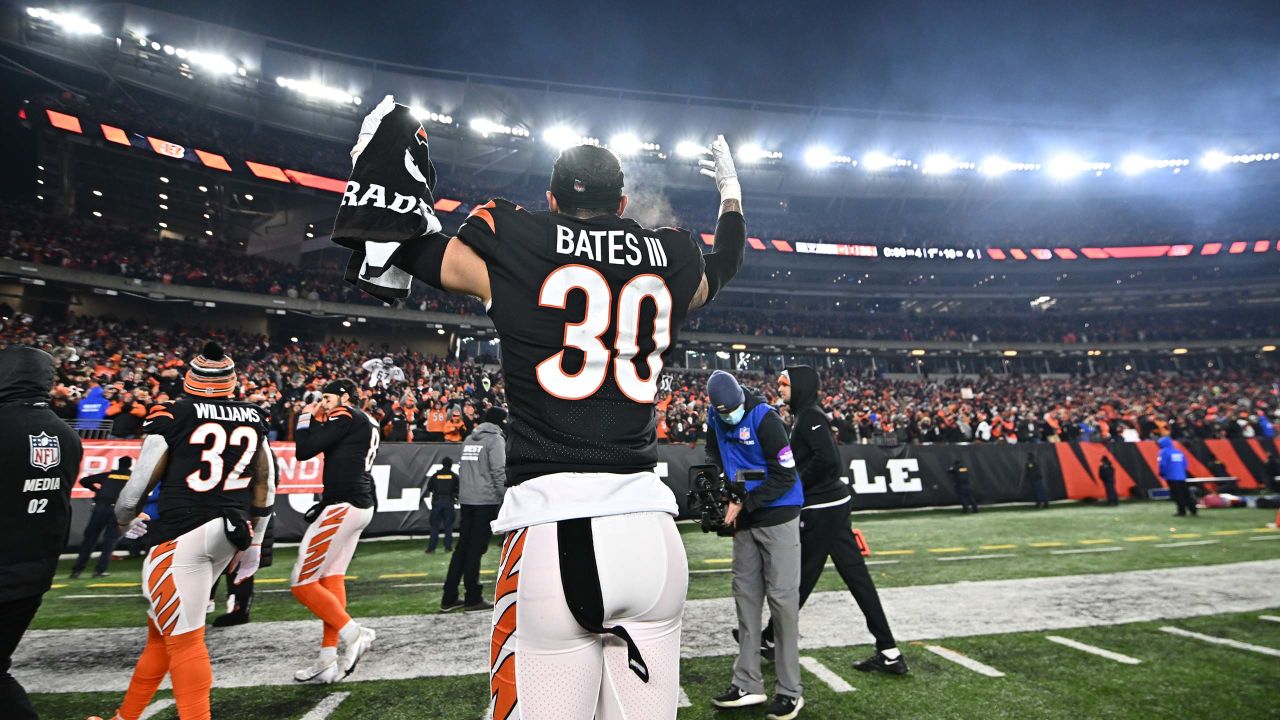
{"x": 356, "y": 650}
{"x": 880, "y": 663}
{"x": 320, "y": 674}
{"x": 736, "y": 697}
{"x": 784, "y": 707}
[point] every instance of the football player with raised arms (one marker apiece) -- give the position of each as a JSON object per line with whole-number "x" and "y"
{"x": 217, "y": 486}
{"x": 592, "y": 576}
{"x": 348, "y": 439}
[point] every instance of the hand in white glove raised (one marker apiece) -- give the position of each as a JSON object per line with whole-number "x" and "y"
{"x": 370, "y": 126}
{"x": 721, "y": 167}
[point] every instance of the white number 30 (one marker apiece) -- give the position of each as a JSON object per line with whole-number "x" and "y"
{"x": 599, "y": 315}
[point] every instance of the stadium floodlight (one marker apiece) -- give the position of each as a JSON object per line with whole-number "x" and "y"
{"x": 1214, "y": 160}
{"x": 994, "y": 166}
{"x": 943, "y": 164}
{"x": 820, "y": 157}
{"x": 1067, "y": 166}
{"x": 424, "y": 114}
{"x": 1134, "y": 164}
{"x": 487, "y": 127}
{"x": 212, "y": 62}
{"x": 68, "y": 22}
{"x": 318, "y": 91}
{"x": 560, "y": 137}
{"x": 625, "y": 144}
{"x": 751, "y": 153}
{"x": 876, "y": 161}
{"x": 690, "y": 149}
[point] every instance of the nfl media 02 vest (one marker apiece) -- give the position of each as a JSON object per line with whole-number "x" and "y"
{"x": 740, "y": 450}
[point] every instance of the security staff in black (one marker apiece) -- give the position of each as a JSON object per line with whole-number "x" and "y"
{"x": 1107, "y": 474}
{"x": 960, "y": 480}
{"x": 41, "y": 458}
{"x": 106, "y": 488}
{"x": 824, "y": 521}
{"x": 442, "y": 486}
{"x": 746, "y": 434}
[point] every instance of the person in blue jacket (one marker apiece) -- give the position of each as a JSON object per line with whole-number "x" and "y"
{"x": 1173, "y": 468}
{"x": 744, "y": 433}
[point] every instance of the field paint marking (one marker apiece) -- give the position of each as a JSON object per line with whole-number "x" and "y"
{"x": 1096, "y": 541}
{"x": 996, "y": 547}
{"x": 270, "y": 581}
{"x": 1141, "y": 538}
{"x": 98, "y": 596}
{"x": 154, "y": 708}
{"x": 894, "y": 552}
{"x": 1269, "y": 618}
{"x": 964, "y": 661}
{"x": 1184, "y": 536}
{"x": 1047, "y": 544}
{"x": 1078, "y": 551}
{"x": 1227, "y": 532}
{"x": 1187, "y": 543}
{"x": 683, "y": 699}
{"x": 882, "y": 562}
{"x": 114, "y": 585}
{"x": 1093, "y": 649}
{"x": 1266, "y": 529}
{"x": 718, "y": 561}
{"x": 401, "y": 576}
{"x": 57, "y": 586}
{"x": 1221, "y": 641}
{"x": 823, "y": 673}
{"x": 418, "y": 585}
{"x": 977, "y": 557}
{"x": 947, "y": 549}
{"x": 326, "y": 706}
{"x": 1265, "y": 537}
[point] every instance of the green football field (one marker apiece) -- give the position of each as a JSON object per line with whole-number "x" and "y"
{"x": 1178, "y": 676}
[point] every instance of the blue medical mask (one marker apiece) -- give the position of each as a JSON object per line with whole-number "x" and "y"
{"x": 734, "y": 417}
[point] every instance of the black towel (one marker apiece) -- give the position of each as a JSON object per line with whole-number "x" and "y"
{"x": 388, "y": 200}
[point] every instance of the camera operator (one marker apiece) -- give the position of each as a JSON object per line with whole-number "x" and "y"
{"x": 746, "y": 435}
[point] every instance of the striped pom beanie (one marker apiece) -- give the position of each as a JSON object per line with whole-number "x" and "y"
{"x": 211, "y": 374}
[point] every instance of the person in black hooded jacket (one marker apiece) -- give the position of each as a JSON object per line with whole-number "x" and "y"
{"x": 825, "y": 519}
{"x": 41, "y": 454}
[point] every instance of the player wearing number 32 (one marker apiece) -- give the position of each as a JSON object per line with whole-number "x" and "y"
{"x": 217, "y": 477}
{"x": 587, "y": 304}
{"x": 349, "y": 441}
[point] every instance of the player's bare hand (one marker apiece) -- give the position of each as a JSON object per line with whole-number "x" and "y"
{"x": 731, "y": 513}
{"x": 720, "y": 167}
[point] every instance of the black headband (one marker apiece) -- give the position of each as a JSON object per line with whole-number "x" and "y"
{"x": 576, "y": 193}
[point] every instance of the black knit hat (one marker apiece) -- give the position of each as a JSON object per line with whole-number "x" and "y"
{"x": 496, "y": 415}
{"x": 340, "y": 386}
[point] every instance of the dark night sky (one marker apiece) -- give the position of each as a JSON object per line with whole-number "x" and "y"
{"x": 1176, "y": 63}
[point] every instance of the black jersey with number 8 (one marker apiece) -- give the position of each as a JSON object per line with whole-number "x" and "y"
{"x": 587, "y": 311}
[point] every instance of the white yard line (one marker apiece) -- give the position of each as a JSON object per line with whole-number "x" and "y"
{"x": 326, "y": 706}
{"x": 683, "y": 700}
{"x": 1093, "y": 650}
{"x": 1081, "y": 551}
{"x": 976, "y": 557}
{"x": 1186, "y": 543}
{"x": 1222, "y": 641}
{"x": 434, "y": 645}
{"x": 1269, "y": 618}
{"x": 154, "y": 708}
{"x": 964, "y": 661}
{"x": 1264, "y": 537}
{"x": 823, "y": 673}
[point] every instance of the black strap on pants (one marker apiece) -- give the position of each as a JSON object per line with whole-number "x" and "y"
{"x": 580, "y": 578}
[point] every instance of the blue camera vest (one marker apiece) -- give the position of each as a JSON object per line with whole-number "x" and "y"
{"x": 740, "y": 450}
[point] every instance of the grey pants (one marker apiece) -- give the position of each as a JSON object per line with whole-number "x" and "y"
{"x": 766, "y": 563}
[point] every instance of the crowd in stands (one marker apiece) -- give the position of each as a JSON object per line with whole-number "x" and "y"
{"x": 30, "y": 235}
{"x": 110, "y": 370}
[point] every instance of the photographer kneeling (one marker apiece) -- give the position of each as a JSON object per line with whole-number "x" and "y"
{"x": 746, "y": 435}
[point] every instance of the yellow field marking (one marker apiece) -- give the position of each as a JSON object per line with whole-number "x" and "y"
{"x": 1142, "y": 538}
{"x": 893, "y": 552}
{"x": 1096, "y": 541}
{"x": 114, "y": 585}
{"x": 271, "y": 581}
{"x": 1227, "y": 532}
{"x": 1048, "y": 544}
{"x": 399, "y": 576}
{"x": 1266, "y": 529}
{"x": 56, "y": 586}
{"x": 488, "y": 572}
{"x": 1185, "y": 535}
{"x": 350, "y": 577}
{"x": 718, "y": 561}
{"x": 947, "y": 549}
{"x": 996, "y": 547}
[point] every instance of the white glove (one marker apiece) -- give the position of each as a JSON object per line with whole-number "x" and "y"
{"x": 721, "y": 168}
{"x": 137, "y": 527}
{"x": 370, "y": 126}
{"x": 248, "y": 562}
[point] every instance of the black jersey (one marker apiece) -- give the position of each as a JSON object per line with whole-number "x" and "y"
{"x": 212, "y": 460}
{"x": 587, "y": 311}
{"x": 349, "y": 440}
